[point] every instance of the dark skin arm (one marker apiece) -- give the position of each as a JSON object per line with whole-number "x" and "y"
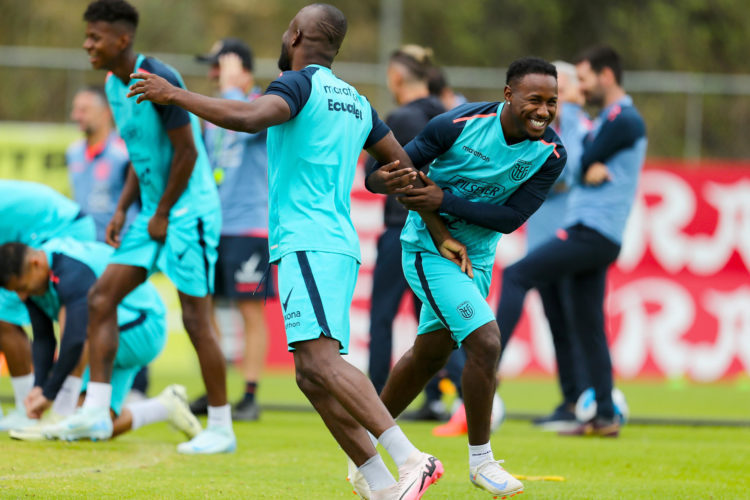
{"x": 264, "y": 112}
{"x": 399, "y": 176}
{"x": 183, "y": 162}
{"x": 130, "y": 193}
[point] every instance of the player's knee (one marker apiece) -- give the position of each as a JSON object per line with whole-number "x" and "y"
{"x": 99, "y": 302}
{"x": 483, "y": 345}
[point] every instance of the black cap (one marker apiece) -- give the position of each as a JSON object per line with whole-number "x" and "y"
{"x": 227, "y": 46}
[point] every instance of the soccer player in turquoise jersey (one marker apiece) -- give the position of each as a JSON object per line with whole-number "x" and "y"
{"x": 31, "y": 213}
{"x": 318, "y": 126}
{"x": 490, "y": 167}
{"x": 59, "y": 275}
{"x": 177, "y": 229}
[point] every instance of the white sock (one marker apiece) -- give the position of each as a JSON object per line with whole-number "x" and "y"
{"x": 220, "y": 416}
{"x": 480, "y": 454}
{"x": 67, "y": 397}
{"x": 373, "y": 439}
{"x": 21, "y": 388}
{"x": 147, "y": 412}
{"x": 397, "y": 445}
{"x": 376, "y": 474}
{"x": 98, "y": 395}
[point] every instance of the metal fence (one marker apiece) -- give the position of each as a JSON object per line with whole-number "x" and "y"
{"x": 695, "y": 86}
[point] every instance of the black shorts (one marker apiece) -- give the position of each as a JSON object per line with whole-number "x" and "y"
{"x": 240, "y": 268}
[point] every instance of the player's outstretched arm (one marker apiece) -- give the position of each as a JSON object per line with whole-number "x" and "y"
{"x": 264, "y": 112}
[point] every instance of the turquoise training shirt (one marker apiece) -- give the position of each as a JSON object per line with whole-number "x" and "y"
{"x": 144, "y": 129}
{"x": 312, "y": 160}
{"x": 490, "y": 187}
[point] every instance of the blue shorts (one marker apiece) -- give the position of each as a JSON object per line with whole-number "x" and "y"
{"x": 450, "y": 299}
{"x": 316, "y": 290}
{"x": 241, "y": 270}
{"x": 141, "y": 341}
{"x": 187, "y": 257}
{"x": 12, "y": 309}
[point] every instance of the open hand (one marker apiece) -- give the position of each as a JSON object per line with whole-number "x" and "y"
{"x": 151, "y": 88}
{"x": 427, "y": 198}
{"x": 391, "y": 178}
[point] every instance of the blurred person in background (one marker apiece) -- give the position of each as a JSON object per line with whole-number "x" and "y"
{"x": 437, "y": 83}
{"x": 408, "y": 71}
{"x": 572, "y": 125}
{"x": 31, "y": 213}
{"x": 97, "y": 168}
{"x": 601, "y": 196}
{"x": 240, "y": 165}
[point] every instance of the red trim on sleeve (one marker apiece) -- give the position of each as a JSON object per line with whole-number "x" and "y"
{"x": 554, "y": 147}
{"x": 465, "y": 118}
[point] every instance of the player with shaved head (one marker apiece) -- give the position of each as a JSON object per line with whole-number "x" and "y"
{"x": 317, "y": 126}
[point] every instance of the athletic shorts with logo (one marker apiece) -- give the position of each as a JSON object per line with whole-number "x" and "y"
{"x": 141, "y": 342}
{"x": 316, "y": 290}
{"x": 187, "y": 257}
{"x": 12, "y": 309}
{"x": 242, "y": 270}
{"x": 450, "y": 299}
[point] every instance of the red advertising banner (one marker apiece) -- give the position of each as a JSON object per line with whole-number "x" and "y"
{"x": 678, "y": 300}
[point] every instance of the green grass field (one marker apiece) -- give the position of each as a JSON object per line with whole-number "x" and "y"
{"x": 289, "y": 454}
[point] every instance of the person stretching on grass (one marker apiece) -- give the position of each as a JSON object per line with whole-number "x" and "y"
{"x": 59, "y": 276}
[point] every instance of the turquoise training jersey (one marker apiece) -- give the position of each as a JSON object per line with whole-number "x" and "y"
{"x": 75, "y": 265}
{"x": 32, "y": 213}
{"x": 312, "y": 159}
{"x": 144, "y": 129}
{"x": 471, "y": 162}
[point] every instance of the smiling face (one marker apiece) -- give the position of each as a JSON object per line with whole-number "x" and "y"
{"x": 531, "y": 106}
{"x": 104, "y": 43}
{"x": 591, "y": 84}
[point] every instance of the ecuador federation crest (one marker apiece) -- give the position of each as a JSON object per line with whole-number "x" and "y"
{"x": 466, "y": 310}
{"x": 520, "y": 170}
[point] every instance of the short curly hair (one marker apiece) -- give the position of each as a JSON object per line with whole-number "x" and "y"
{"x": 111, "y": 11}
{"x": 12, "y": 258}
{"x": 529, "y": 66}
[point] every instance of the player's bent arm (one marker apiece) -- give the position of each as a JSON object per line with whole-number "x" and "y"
{"x": 183, "y": 162}
{"x": 516, "y": 210}
{"x": 43, "y": 345}
{"x": 397, "y": 174}
{"x": 130, "y": 190}
{"x": 264, "y": 112}
{"x": 71, "y": 347}
{"x": 614, "y": 136}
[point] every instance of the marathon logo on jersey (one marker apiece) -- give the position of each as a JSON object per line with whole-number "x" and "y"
{"x": 476, "y": 189}
{"x": 520, "y": 170}
{"x": 476, "y": 153}
{"x": 465, "y": 310}
{"x": 345, "y": 108}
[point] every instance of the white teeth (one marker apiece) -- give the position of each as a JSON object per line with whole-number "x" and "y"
{"x": 537, "y": 123}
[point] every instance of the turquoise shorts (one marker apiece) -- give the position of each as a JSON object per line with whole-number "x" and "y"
{"x": 141, "y": 341}
{"x": 316, "y": 290}
{"x": 12, "y": 309}
{"x": 450, "y": 299}
{"x": 187, "y": 257}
